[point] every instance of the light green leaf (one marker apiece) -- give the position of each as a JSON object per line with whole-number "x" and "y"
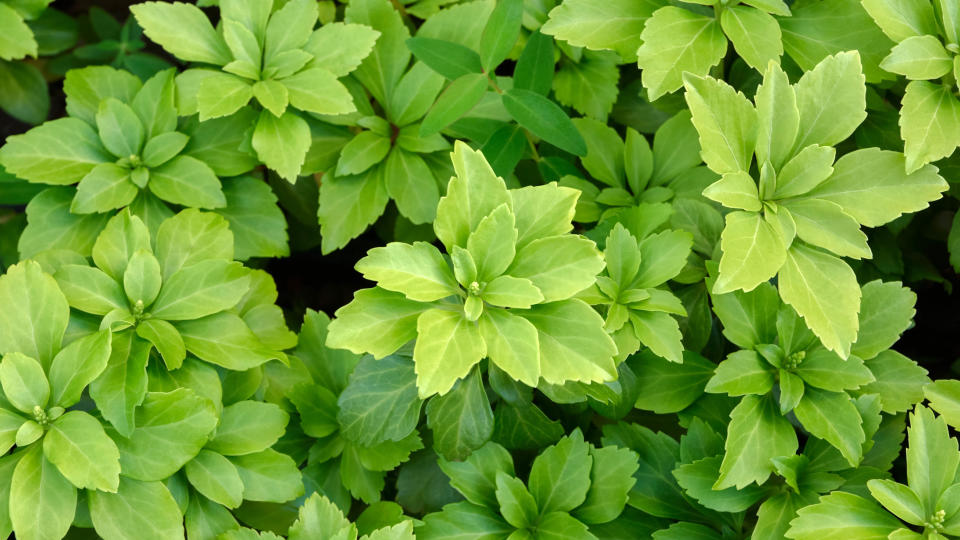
{"x": 417, "y": 270}
{"x": 870, "y": 186}
{"x": 339, "y": 48}
{"x": 929, "y": 123}
{"x": 318, "y": 91}
{"x": 824, "y": 369}
{"x": 512, "y": 344}
{"x": 660, "y": 332}
{"x": 726, "y": 122}
{"x": 411, "y": 185}
{"x": 269, "y": 476}
{"x": 944, "y": 396}
{"x": 827, "y": 122}
{"x": 743, "y": 372}
{"x": 190, "y": 237}
{"x": 805, "y": 171}
{"x": 215, "y": 478}
{"x": 122, "y": 385}
{"x": 226, "y": 340}
{"x": 42, "y": 501}
{"x": 144, "y": 510}
{"x": 601, "y": 24}
{"x": 459, "y": 97}
{"x": 901, "y": 19}
{"x": 221, "y": 94}
{"x": 171, "y": 428}
{"x": 141, "y": 279}
{"x": 841, "y": 515}
{"x": 282, "y": 143}
{"x": 247, "y": 427}
{"x": 106, "y": 187}
{"x": 121, "y": 130}
{"x": 824, "y": 224}
{"x": 777, "y": 117}
{"x": 183, "y": 31}
{"x": 16, "y": 38}
{"x": 320, "y": 518}
{"x": 464, "y": 520}
{"x": 77, "y": 365}
{"x": 898, "y": 499}
{"x": 290, "y": 27}
{"x": 24, "y": 383}
{"x": 755, "y": 35}
{"x": 448, "y": 345}
{"x": 824, "y": 291}
{"x": 461, "y": 420}
{"x": 886, "y": 310}
{"x": 899, "y": 381}
{"x": 676, "y": 41}
{"x": 202, "y": 289}
{"x": 573, "y": 344}
{"x": 380, "y": 402}
{"x": 90, "y": 290}
{"x": 757, "y": 433}
{"x": 833, "y": 417}
{"x": 543, "y": 211}
{"x": 167, "y": 340}
{"x": 377, "y": 321}
{"x": 81, "y": 450}
{"x": 753, "y": 252}
{"x": 919, "y": 58}
{"x": 560, "y": 266}
{"x": 59, "y": 152}
{"x": 735, "y": 190}
{"x": 930, "y": 443}
{"x": 187, "y": 181}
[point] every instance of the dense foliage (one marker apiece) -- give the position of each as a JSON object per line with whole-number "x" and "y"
{"x": 620, "y": 269}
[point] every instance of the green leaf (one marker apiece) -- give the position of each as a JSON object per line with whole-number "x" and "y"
{"x": 919, "y": 58}
{"x": 755, "y": 35}
{"x": 318, "y": 517}
{"x": 500, "y": 33}
{"x": 929, "y": 123}
{"x": 601, "y": 24}
{"x": 886, "y": 310}
{"x": 105, "y": 188}
{"x": 457, "y": 99}
{"x": 805, "y": 171}
{"x": 362, "y": 152}
{"x": 742, "y": 373}
{"x": 57, "y": 152}
{"x": 660, "y": 332}
{"x": 417, "y": 270}
{"x": 410, "y": 184}
{"x": 543, "y": 211}
{"x": 142, "y": 279}
{"x": 187, "y": 181}
{"x": 339, "y": 48}
{"x": 90, "y": 290}
{"x": 24, "y": 383}
{"x": 944, "y": 396}
{"x": 448, "y": 345}
{"x": 122, "y": 385}
{"x": 516, "y": 503}
{"x": 289, "y": 27}
{"x": 899, "y": 499}
{"x": 901, "y": 20}
{"x": 589, "y": 86}
{"x": 215, "y": 478}
{"x": 472, "y": 194}
{"x": 676, "y": 41}
{"x": 545, "y": 119}
{"x": 824, "y": 224}
{"x": 560, "y": 475}
{"x": 512, "y": 344}
{"x": 226, "y": 340}
{"x": 171, "y": 428}
{"x": 833, "y": 417}
{"x": 777, "y": 118}
{"x": 559, "y": 266}
{"x": 221, "y": 94}
{"x": 827, "y": 122}
{"x": 534, "y": 69}
{"x": 735, "y": 190}
{"x": 183, "y": 31}
{"x": 461, "y": 420}
{"x": 726, "y": 122}
{"x": 842, "y": 515}
{"x": 17, "y": 39}
{"x": 824, "y": 291}
{"x": 611, "y": 478}
{"x": 77, "y": 365}
{"x": 202, "y": 289}
{"x": 492, "y": 244}
{"x": 380, "y": 402}
{"x": 318, "y": 91}
{"x": 475, "y": 477}
{"x": 26, "y": 96}
{"x": 605, "y": 152}
{"x": 449, "y": 59}
{"x": 757, "y": 433}
{"x": 824, "y": 369}
{"x": 145, "y": 507}
{"x": 753, "y": 252}
{"x": 697, "y": 480}
{"x": 36, "y": 315}
{"x": 899, "y": 381}
{"x": 464, "y": 520}
{"x": 930, "y": 443}
{"x": 120, "y": 128}
{"x": 269, "y": 476}
{"x": 348, "y": 205}
{"x": 377, "y": 321}
{"x": 81, "y": 450}
{"x": 247, "y": 427}
{"x": 188, "y": 238}
{"x": 668, "y": 387}
{"x": 258, "y": 224}
{"x": 571, "y": 335}
{"x": 282, "y": 143}
{"x": 42, "y": 501}
{"x": 163, "y": 147}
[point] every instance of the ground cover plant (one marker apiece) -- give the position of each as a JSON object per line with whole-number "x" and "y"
{"x": 489, "y": 269}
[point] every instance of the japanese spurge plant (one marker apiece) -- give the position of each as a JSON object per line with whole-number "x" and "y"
{"x": 275, "y": 57}
{"x": 796, "y": 212}
{"x": 506, "y": 292}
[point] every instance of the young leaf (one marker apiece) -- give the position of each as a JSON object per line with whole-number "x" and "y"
{"x": 676, "y": 41}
